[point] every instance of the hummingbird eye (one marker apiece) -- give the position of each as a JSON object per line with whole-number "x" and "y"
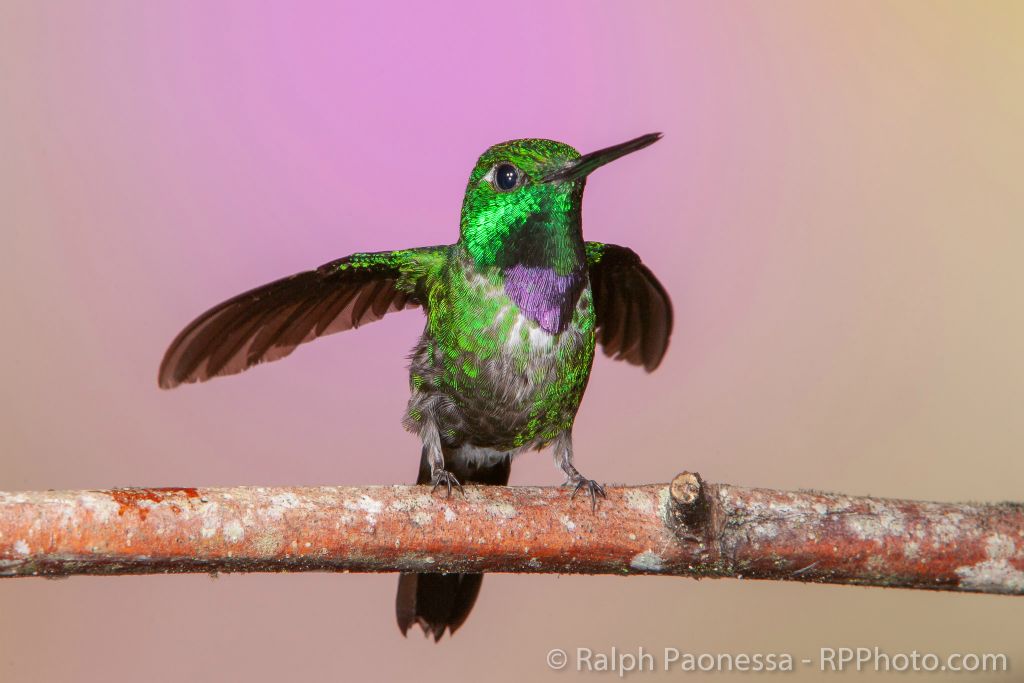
{"x": 506, "y": 177}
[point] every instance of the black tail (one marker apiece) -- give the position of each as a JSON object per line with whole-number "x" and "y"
{"x": 440, "y": 601}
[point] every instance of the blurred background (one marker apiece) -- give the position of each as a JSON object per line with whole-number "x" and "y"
{"x": 835, "y": 209}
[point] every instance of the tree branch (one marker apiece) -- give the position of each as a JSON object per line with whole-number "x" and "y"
{"x": 686, "y": 528}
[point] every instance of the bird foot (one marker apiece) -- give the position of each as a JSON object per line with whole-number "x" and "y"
{"x": 441, "y": 477}
{"x": 594, "y": 489}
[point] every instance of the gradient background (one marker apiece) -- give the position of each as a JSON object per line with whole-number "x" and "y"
{"x": 836, "y": 210}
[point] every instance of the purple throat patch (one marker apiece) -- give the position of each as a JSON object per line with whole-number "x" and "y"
{"x": 543, "y": 295}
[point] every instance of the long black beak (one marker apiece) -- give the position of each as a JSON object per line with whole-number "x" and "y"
{"x": 587, "y": 163}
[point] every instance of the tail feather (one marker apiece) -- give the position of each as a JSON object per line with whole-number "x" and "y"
{"x": 436, "y": 601}
{"x": 443, "y": 601}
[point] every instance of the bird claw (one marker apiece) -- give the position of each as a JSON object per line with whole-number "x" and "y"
{"x": 593, "y": 489}
{"x": 444, "y": 477}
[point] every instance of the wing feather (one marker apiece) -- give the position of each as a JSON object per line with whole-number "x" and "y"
{"x": 634, "y": 312}
{"x": 269, "y": 322}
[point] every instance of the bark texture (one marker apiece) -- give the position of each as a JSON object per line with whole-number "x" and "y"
{"x": 685, "y": 528}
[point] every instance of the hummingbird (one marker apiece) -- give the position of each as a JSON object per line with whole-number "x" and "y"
{"x": 514, "y": 310}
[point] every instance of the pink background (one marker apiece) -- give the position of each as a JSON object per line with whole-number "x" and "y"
{"x": 835, "y": 209}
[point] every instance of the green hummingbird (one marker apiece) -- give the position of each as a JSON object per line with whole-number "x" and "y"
{"x": 514, "y": 310}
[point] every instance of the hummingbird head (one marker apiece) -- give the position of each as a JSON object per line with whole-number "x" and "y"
{"x": 524, "y": 198}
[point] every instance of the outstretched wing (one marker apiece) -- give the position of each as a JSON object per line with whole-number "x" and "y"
{"x": 634, "y": 313}
{"x": 268, "y": 322}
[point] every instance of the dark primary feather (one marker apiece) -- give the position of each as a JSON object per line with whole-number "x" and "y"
{"x": 268, "y": 322}
{"x": 634, "y": 313}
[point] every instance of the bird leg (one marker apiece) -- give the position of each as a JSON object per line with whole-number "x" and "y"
{"x": 439, "y": 476}
{"x": 563, "y": 458}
